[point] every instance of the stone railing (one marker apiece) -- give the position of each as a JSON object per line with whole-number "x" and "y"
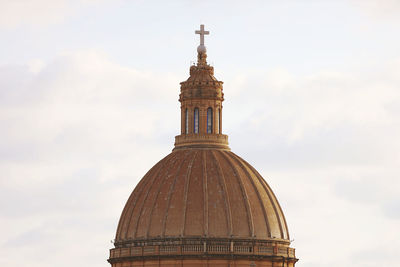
{"x": 202, "y": 247}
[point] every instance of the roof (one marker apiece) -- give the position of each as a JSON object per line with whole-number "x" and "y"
{"x": 202, "y": 193}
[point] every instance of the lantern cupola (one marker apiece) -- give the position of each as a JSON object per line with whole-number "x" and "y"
{"x": 201, "y": 100}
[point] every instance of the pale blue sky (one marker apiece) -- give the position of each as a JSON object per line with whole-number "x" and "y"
{"x": 312, "y": 93}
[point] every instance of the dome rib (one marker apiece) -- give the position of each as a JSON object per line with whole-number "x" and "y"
{"x": 171, "y": 190}
{"x": 271, "y": 199}
{"x": 281, "y": 216}
{"x": 140, "y": 213}
{"x": 185, "y": 194}
{"x": 244, "y": 193}
{"x": 222, "y": 183}
{"x": 155, "y": 202}
{"x": 245, "y": 169}
{"x": 140, "y": 187}
{"x": 205, "y": 193}
{"x": 128, "y": 208}
{"x": 123, "y": 222}
{"x": 194, "y": 219}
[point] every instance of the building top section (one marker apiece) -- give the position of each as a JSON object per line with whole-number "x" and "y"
{"x": 202, "y": 202}
{"x": 201, "y": 84}
{"x": 201, "y": 100}
{"x": 201, "y": 73}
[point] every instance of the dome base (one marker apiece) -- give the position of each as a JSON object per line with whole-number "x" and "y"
{"x": 213, "y": 141}
{"x": 207, "y": 262}
{"x": 202, "y": 250}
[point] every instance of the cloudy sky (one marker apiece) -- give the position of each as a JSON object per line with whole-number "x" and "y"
{"x": 89, "y": 102}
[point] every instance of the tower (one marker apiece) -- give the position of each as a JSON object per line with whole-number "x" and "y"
{"x": 201, "y": 105}
{"x": 202, "y": 205}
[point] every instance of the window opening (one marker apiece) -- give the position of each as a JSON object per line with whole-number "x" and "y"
{"x": 186, "y": 121}
{"x": 209, "y": 120}
{"x": 196, "y": 121}
{"x": 217, "y": 118}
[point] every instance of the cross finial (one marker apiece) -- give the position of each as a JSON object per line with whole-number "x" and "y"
{"x": 202, "y": 32}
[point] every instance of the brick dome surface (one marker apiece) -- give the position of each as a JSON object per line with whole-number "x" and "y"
{"x": 204, "y": 193}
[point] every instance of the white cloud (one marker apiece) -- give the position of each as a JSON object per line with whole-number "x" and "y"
{"x": 76, "y": 135}
{"x": 379, "y": 9}
{"x": 39, "y": 12}
{"x": 328, "y": 145}
{"x": 356, "y": 108}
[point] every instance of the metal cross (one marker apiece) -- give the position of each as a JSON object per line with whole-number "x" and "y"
{"x": 202, "y": 32}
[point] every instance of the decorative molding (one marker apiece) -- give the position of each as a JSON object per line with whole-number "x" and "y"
{"x": 215, "y": 141}
{"x": 201, "y": 247}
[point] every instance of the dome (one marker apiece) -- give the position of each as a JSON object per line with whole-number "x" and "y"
{"x": 202, "y": 205}
{"x": 202, "y": 193}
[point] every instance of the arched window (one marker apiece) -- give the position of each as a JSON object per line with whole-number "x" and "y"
{"x": 209, "y": 120}
{"x": 186, "y": 121}
{"x": 196, "y": 121}
{"x": 217, "y": 120}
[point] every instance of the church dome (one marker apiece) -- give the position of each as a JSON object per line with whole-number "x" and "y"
{"x": 202, "y": 205}
{"x": 202, "y": 193}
